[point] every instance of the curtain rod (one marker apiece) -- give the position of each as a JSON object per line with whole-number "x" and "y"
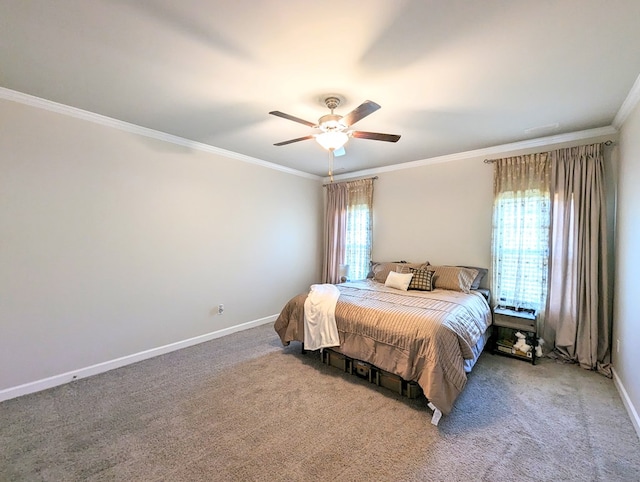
{"x": 491, "y": 161}
{"x": 361, "y": 179}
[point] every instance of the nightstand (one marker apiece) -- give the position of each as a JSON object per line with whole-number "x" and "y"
{"x": 506, "y": 323}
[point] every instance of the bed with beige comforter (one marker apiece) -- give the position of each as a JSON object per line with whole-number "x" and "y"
{"x": 421, "y": 336}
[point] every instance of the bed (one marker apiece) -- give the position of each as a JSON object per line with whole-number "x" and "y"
{"x": 430, "y": 336}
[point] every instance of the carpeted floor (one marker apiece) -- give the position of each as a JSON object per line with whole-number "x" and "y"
{"x": 245, "y": 408}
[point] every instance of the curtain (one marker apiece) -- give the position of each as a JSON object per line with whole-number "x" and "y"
{"x": 520, "y": 235}
{"x": 335, "y": 230}
{"x": 348, "y": 229}
{"x": 359, "y": 228}
{"x": 578, "y": 321}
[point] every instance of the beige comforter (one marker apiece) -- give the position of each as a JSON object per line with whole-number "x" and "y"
{"x": 418, "y": 335}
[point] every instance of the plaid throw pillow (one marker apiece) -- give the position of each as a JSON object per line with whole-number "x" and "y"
{"x": 421, "y": 279}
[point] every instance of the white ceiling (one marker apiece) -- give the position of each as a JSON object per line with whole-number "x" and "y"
{"x": 451, "y": 75}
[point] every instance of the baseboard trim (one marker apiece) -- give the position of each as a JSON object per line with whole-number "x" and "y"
{"x": 56, "y": 380}
{"x": 628, "y": 404}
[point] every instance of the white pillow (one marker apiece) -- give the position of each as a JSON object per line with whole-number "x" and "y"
{"x": 399, "y": 281}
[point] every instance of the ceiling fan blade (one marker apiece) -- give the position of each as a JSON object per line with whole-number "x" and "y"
{"x": 363, "y": 110}
{"x": 292, "y": 118}
{"x": 284, "y": 143}
{"x": 339, "y": 152}
{"x": 376, "y": 136}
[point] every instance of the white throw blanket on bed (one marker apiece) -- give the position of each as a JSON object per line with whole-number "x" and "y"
{"x": 320, "y": 330}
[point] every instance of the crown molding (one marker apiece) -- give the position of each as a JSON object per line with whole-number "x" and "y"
{"x": 631, "y": 101}
{"x": 486, "y": 152}
{"x": 33, "y": 101}
{"x": 628, "y": 105}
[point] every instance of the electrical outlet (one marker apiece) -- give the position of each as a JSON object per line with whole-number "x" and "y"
{"x": 618, "y": 346}
{"x": 220, "y": 308}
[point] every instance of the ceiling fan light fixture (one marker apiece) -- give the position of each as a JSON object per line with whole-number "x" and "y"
{"x": 333, "y": 130}
{"x": 331, "y": 122}
{"x": 332, "y": 140}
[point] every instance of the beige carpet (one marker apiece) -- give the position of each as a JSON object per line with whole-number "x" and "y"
{"x": 245, "y": 408}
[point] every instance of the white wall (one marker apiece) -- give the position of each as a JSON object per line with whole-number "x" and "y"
{"x": 626, "y": 322}
{"x": 439, "y": 213}
{"x": 112, "y": 243}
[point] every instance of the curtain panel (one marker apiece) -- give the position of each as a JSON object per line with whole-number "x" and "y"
{"x": 335, "y": 231}
{"x": 578, "y": 314}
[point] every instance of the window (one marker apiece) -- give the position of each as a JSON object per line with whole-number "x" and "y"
{"x": 521, "y": 219}
{"x": 521, "y": 248}
{"x": 358, "y": 241}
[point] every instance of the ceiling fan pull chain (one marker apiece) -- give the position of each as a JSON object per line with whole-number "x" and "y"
{"x": 331, "y": 165}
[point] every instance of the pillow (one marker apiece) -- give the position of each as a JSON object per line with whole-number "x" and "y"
{"x": 482, "y": 272}
{"x": 380, "y": 271}
{"x": 399, "y": 281}
{"x": 422, "y": 279}
{"x": 453, "y": 278}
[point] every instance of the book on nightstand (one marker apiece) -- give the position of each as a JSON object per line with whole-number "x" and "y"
{"x": 504, "y": 346}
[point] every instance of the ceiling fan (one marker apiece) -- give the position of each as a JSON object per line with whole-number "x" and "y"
{"x": 335, "y": 130}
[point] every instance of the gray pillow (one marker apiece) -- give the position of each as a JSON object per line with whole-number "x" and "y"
{"x": 455, "y": 278}
{"x": 482, "y": 272}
